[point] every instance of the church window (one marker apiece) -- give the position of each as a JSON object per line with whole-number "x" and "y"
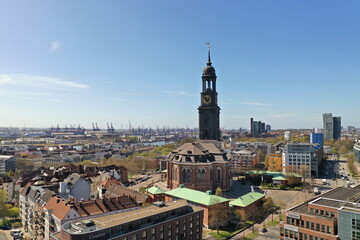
{"x": 175, "y": 174}
{"x": 188, "y": 176}
{"x": 198, "y": 176}
{"x": 183, "y": 177}
{"x": 203, "y": 175}
{"x": 219, "y": 174}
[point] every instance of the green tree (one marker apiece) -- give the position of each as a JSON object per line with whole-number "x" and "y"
{"x": 266, "y": 161}
{"x": 219, "y": 215}
{"x": 14, "y": 213}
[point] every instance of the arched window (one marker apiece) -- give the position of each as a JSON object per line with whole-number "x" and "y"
{"x": 175, "y": 174}
{"x": 183, "y": 177}
{"x": 188, "y": 176}
{"x": 198, "y": 176}
{"x": 219, "y": 174}
{"x": 203, "y": 176}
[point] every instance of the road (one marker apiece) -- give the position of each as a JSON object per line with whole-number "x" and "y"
{"x": 5, "y": 235}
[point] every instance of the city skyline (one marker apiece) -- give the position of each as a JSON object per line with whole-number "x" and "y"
{"x": 80, "y": 62}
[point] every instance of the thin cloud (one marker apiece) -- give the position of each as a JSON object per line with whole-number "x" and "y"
{"x": 55, "y": 45}
{"x": 177, "y": 92}
{"x": 34, "y": 81}
{"x": 256, "y": 104}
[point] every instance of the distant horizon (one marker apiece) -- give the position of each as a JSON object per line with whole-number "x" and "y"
{"x": 281, "y": 62}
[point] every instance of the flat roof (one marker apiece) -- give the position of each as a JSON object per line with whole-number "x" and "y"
{"x": 111, "y": 220}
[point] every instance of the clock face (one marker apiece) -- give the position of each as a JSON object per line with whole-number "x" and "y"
{"x": 207, "y": 99}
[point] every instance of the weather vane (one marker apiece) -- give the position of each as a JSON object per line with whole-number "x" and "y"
{"x": 208, "y": 44}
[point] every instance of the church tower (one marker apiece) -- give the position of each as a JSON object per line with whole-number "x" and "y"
{"x": 209, "y": 111}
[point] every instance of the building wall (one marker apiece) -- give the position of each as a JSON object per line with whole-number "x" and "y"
{"x": 186, "y": 226}
{"x": 242, "y": 162}
{"x": 217, "y": 174}
{"x": 349, "y": 225}
{"x": 7, "y": 164}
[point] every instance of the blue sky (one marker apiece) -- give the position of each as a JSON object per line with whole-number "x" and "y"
{"x": 78, "y": 62}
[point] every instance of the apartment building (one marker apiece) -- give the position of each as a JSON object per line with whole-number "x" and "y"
{"x": 170, "y": 220}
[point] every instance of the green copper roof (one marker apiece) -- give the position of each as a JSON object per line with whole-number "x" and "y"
{"x": 279, "y": 178}
{"x": 247, "y": 199}
{"x": 155, "y": 190}
{"x": 196, "y": 196}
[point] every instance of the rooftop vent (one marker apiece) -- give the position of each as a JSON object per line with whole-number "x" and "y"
{"x": 208, "y": 192}
{"x": 159, "y": 204}
{"x": 88, "y": 223}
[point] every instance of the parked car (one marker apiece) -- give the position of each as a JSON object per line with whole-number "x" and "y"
{"x": 263, "y": 230}
{"x": 5, "y": 227}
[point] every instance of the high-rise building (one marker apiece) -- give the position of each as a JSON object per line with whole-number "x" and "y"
{"x": 328, "y": 126}
{"x": 209, "y": 111}
{"x": 251, "y": 127}
{"x": 318, "y": 139}
{"x": 262, "y": 128}
{"x": 337, "y": 127}
{"x": 256, "y": 129}
{"x": 332, "y": 126}
{"x": 268, "y": 128}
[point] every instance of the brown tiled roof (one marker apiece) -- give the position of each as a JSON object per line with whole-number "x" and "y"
{"x": 60, "y": 208}
{"x": 115, "y": 190}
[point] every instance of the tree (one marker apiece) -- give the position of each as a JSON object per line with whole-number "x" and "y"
{"x": 219, "y": 192}
{"x": 266, "y": 161}
{"x": 219, "y": 215}
{"x": 343, "y": 149}
{"x": 14, "y": 213}
{"x": 3, "y": 207}
{"x": 268, "y": 203}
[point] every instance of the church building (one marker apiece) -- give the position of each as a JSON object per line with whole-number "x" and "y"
{"x": 202, "y": 165}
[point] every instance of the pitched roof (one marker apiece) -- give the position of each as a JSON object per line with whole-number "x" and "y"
{"x": 196, "y": 196}
{"x": 155, "y": 190}
{"x": 247, "y": 199}
{"x": 279, "y": 178}
{"x": 115, "y": 190}
{"x": 61, "y": 208}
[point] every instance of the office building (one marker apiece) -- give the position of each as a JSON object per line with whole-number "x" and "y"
{"x": 7, "y": 163}
{"x": 301, "y": 158}
{"x": 332, "y": 127}
{"x": 170, "y": 220}
{"x": 268, "y": 128}
{"x": 328, "y": 126}
{"x": 334, "y": 215}
{"x": 318, "y": 139}
{"x": 337, "y": 128}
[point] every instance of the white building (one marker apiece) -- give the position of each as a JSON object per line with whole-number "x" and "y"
{"x": 300, "y": 158}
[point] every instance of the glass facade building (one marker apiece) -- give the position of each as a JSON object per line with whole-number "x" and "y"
{"x": 357, "y": 152}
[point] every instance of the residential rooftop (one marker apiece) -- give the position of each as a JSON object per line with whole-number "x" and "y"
{"x": 111, "y": 220}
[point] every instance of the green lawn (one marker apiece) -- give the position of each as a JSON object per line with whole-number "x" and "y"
{"x": 225, "y": 232}
{"x": 221, "y": 235}
{"x": 273, "y": 223}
